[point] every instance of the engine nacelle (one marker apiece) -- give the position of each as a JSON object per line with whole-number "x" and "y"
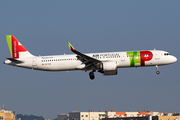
{"x": 109, "y": 68}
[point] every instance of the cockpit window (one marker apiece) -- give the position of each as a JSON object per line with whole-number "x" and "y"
{"x": 166, "y": 53}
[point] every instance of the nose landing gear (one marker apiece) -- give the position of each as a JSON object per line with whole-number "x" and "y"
{"x": 157, "y": 72}
{"x": 91, "y": 75}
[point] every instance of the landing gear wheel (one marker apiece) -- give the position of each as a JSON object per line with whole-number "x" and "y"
{"x": 91, "y": 75}
{"x": 157, "y": 72}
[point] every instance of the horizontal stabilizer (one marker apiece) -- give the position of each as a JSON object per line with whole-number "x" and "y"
{"x": 15, "y": 60}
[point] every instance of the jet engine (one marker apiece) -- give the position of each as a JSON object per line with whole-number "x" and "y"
{"x": 108, "y": 68}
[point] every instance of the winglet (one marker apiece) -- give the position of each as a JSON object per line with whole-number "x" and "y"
{"x": 70, "y": 46}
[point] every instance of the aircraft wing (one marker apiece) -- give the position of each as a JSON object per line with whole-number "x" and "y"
{"x": 85, "y": 59}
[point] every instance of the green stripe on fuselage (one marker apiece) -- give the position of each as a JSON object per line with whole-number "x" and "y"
{"x": 134, "y": 57}
{"x": 9, "y": 42}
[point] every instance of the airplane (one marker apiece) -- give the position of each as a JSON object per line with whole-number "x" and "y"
{"x": 106, "y": 63}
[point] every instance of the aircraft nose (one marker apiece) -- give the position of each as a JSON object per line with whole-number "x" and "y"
{"x": 174, "y": 59}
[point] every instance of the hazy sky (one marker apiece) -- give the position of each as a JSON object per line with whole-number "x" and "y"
{"x": 43, "y": 27}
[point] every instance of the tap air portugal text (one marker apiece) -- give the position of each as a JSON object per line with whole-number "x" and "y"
{"x": 105, "y": 63}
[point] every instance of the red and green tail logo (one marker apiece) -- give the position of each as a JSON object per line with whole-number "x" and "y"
{"x": 15, "y": 46}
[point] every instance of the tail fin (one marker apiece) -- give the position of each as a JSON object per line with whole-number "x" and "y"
{"x": 16, "y": 49}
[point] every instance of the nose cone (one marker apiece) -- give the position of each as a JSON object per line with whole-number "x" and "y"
{"x": 173, "y": 59}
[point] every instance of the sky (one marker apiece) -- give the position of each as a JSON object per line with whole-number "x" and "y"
{"x": 44, "y": 26}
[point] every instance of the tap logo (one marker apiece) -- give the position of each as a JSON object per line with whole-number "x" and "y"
{"x": 14, "y": 50}
{"x": 139, "y": 57}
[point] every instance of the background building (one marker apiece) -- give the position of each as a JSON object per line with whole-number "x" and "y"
{"x": 86, "y": 115}
{"x": 6, "y": 115}
{"x": 114, "y": 114}
{"x": 107, "y": 114}
{"x": 146, "y": 118}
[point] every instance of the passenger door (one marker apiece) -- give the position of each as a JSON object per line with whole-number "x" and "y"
{"x": 123, "y": 56}
{"x": 157, "y": 55}
{"x": 34, "y": 62}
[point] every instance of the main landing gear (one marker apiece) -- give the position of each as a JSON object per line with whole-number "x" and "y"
{"x": 157, "y": 72}
{"x": 91, "y": 75}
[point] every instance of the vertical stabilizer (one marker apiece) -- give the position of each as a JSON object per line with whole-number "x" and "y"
{"x": 17, "y": 50}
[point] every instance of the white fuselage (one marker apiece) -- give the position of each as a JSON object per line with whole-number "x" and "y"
{"x": 70, "y": 62}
